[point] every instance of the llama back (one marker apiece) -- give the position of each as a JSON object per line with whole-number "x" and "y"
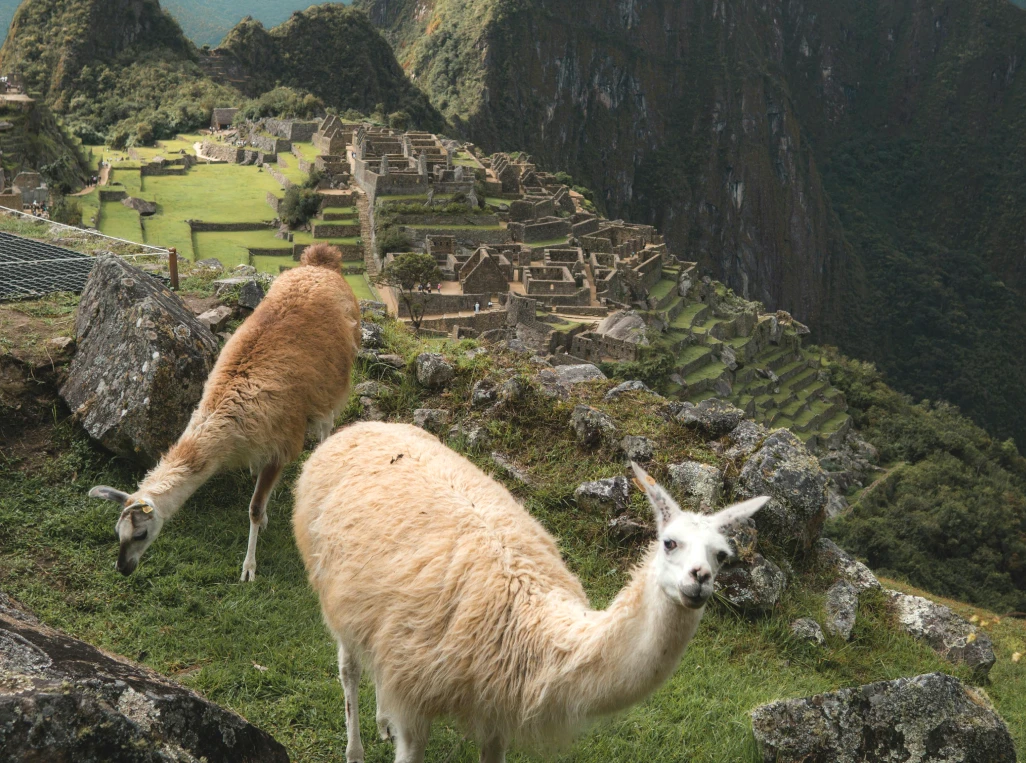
{"x": 441, "y": 580}
{"x": 288, "y": 364}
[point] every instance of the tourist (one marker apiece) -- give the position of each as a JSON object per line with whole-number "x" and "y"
{"x": 477, "y": 308}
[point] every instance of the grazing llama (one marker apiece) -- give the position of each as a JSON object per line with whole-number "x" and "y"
{"x": 432, "y": 576}
{"x": 286, "y": 370}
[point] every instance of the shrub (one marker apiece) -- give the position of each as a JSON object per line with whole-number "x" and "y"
{"x": 66, "y": 210}
{"x": 298, "y": 206}
{"x": 392, "y": 239}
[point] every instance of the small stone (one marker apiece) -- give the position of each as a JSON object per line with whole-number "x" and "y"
{"x": 250, "y": 294}
{"x": 807, "y": 629}
{"x": 483, "y": 393}
{"x": 393, "y": 361}
{"x": 60, "y": 343}
{"x": 244, "y": 270}
{"x": 506, "y": 465}
{"x": 371, "y": 335}
{"x": 636, "y": 448}
{"x": 841, "y": 605}
{"x": 627, "y": 386}
{"x": 371, "y": 411}
{"x": 716, "y": 417}
{"x": 608, "y": 496}
{"x": 513, "y": 390}
{"x": 698, "y": 480}
{"x": 591, "y": 426}
{"x": 210, "y": 263}
{"x": 628, "y": 530}
{"x": 434, "y": 420}
{"x": 433, "y": 371}
{"x": 216, "y": 318}
{"x": 371, "y": 389}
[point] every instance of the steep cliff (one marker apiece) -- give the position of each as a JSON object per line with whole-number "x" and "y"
{"x": 855, "y": 163}
{"x": 334, "y": 53}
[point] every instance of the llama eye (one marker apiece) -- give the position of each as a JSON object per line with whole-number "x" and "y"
{"x": 141, "y": 535}
{"x": 721, "y": 557}
{"x": 669, "y": 545}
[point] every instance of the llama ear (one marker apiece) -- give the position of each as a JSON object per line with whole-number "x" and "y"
{"x": 109, "y": 494}
{"x": 739, "y": 512}
{"x": 663, "y": 506}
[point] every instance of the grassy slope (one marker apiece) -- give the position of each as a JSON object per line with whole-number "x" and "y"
{"x": 185, "y": 614}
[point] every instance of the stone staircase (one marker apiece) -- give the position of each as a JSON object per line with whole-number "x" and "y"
{"x": 776, "y": 381}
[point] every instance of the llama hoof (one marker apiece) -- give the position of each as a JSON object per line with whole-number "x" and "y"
{"x": 248, "y": 574}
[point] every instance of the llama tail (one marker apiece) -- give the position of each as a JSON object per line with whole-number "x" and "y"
{"x": 322, "y": 256}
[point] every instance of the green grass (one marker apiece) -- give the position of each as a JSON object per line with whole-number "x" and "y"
{"x": 455, "y": 227}
{"x": 687, "y": 315}
{"x": 232, "y": 248}
{"x": 307, "y": 151}
{"x": 302, "y": 237}
{"x": 546, "y": 243}
{"x": 361, "y": 287}
{"x": 125, "y": 179}
{"x": 184, "y": 613}
{"x": 120, "y": 221}
{"x": 661, "y": 289}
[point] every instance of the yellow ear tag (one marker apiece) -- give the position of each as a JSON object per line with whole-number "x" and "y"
{"x": 147, "y": 509}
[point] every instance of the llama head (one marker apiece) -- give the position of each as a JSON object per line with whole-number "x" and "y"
{"x": 136, "y": 528}
{"x": 692, "y": 547}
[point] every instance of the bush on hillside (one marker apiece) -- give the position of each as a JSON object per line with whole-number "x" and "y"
{"x": 950, "y": 515}
{"x": 298, "y": 206}
{"x": 281, "y": 102}
{"x": 66, "y": 210}
{"x": 392, "y": 239}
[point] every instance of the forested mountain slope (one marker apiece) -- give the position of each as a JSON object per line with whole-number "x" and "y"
{"x": 856, "y": 163}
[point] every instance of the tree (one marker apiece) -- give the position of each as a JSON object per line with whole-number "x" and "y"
{"x": 404, "y": 274}
{"x": 66, "y": 210}
{"x": 298, "y": 206}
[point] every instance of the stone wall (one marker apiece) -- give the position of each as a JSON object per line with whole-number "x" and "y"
{"x": 12, "y": 200}
{"x": 595, "y": 347}
{"x": 278, "y": 176}
{"x": 221, "y": 152}
{"x": 292, "y": 130}
{"x": 270, "y": 144}
{"x": 469, "y": 237}
{"x": 198, "y": 226}
{"x": 273, "y": 201}
{"x": 333, "y": 229}
{"x": 350, "y": 252}
{"x": 445, "y": 303}
{"x": 155, "y": 169}
{"x": 546, "y": 230}
{"x": 112, "y": 195}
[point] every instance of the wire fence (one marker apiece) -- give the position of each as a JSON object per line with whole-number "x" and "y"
{"x": 39, "y": 258}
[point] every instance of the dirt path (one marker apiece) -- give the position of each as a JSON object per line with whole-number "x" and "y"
{"x": 104, "y": 175}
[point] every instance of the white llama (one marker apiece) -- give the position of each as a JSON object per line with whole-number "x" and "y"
{"x": 432, "y": 576}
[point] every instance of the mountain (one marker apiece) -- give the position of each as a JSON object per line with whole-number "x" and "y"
{"x": 331, "y": 51}
{"x": 857, "y": 163}
{"x": 203, "y": 23}
{"x": 111, "y": 68}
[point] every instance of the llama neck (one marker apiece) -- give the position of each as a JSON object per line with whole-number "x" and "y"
{"x": 181, "y": 471}
{"x": 628, "y": 650}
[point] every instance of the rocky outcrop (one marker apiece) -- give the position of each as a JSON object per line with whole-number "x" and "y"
{"x": 591, "y": 426}
{"x": 713, "y": 416}
{"x": 609, "y": 496}
{"x": 143, "y": 207}
{"x": 62, "y": 699}
{"x": 701, "y": 481}
{"x": 829, "y": 556}
{"x": 433, "y": 371}
{"x": 434, "y": 420}
{"x": 783, "y": 469}
{"x": 753, "y": 585}
{"x": 951, "y": 636}
{"x": 141, "y": 362}
{"x": 932, "y": 717}
{"x": 841, "y": 605}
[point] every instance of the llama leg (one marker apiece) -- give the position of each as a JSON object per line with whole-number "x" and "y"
{"x": 349, "y": 671}
{"x": 493, "y": 751}
{"x": 258, "y": 516}
{"x": 411, "y": 738}
{"x": 381, "y": 715}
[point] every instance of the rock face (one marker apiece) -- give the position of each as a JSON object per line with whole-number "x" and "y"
{"x": 698, "y": 480}
{"x": 143, "y": 207}
{"x": 591, "y": 426}
{"x": 62, "y": 699}
{"x": 434, "y": 420}
{"x": 913, "y": 720}
{"x": 141, "y": 362}
{"x": 831, "y": 556}
{"x": 807, "y": 629}
{"x": 575, "y": 374}
{"x": 715, "y": 417}
{"x": 628, "y": 386}
{"x": 251, "y": 294}
{"x": 433, "y": 370}
{"x": 754, "y": 585}
{"x": 371, "y": 336}
{"x": 948, "y": 634}
{"x": 636, "y": 448}
{"x": 609, "y": 496}
{"x": 783, "y": 469}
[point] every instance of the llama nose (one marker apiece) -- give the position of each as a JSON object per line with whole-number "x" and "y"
{"x": 701, "y": 575}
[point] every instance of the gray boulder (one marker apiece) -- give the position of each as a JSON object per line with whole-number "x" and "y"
{"x": 210, "y": 263}
{"x": 251, "y": 294}
{"x": 951, "y": 636}
{"x": 371, "y": 389}
{"x": 141, "y": 362}
{"x": 475, "y": 436}
{"x": 216, "y": 318}
{"x": 433, "y": 371}
{"x": 745, "y": 438}
{"x": 831, "y": 557}
{"x": 697, "y": 480}
{"x": 483, "y": 393}
{"x": 392, "y": 361}
{"x": 434, "y": 420}
{"x": 143, "y": 207}
{"x": 753, "y": 585}
{"x": 637, "y": 448}
{"x": 610, "y": 496}
{"x": 62, "y": 699}
{"x": 576, "y": 374}
{"x": 932, "y": 717}
{"x": 627, "y": 386}
{"x": 713, "y": 416}
{"x": 783, "y": 469}
{"x": 807, "y": 629}
{"x": 591, "y": 426}
{"x": 506, "y": 465}
{"x": 841, "y": 605}
{"x": 513, "y": 390}
{"x": 371, "y": 336}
